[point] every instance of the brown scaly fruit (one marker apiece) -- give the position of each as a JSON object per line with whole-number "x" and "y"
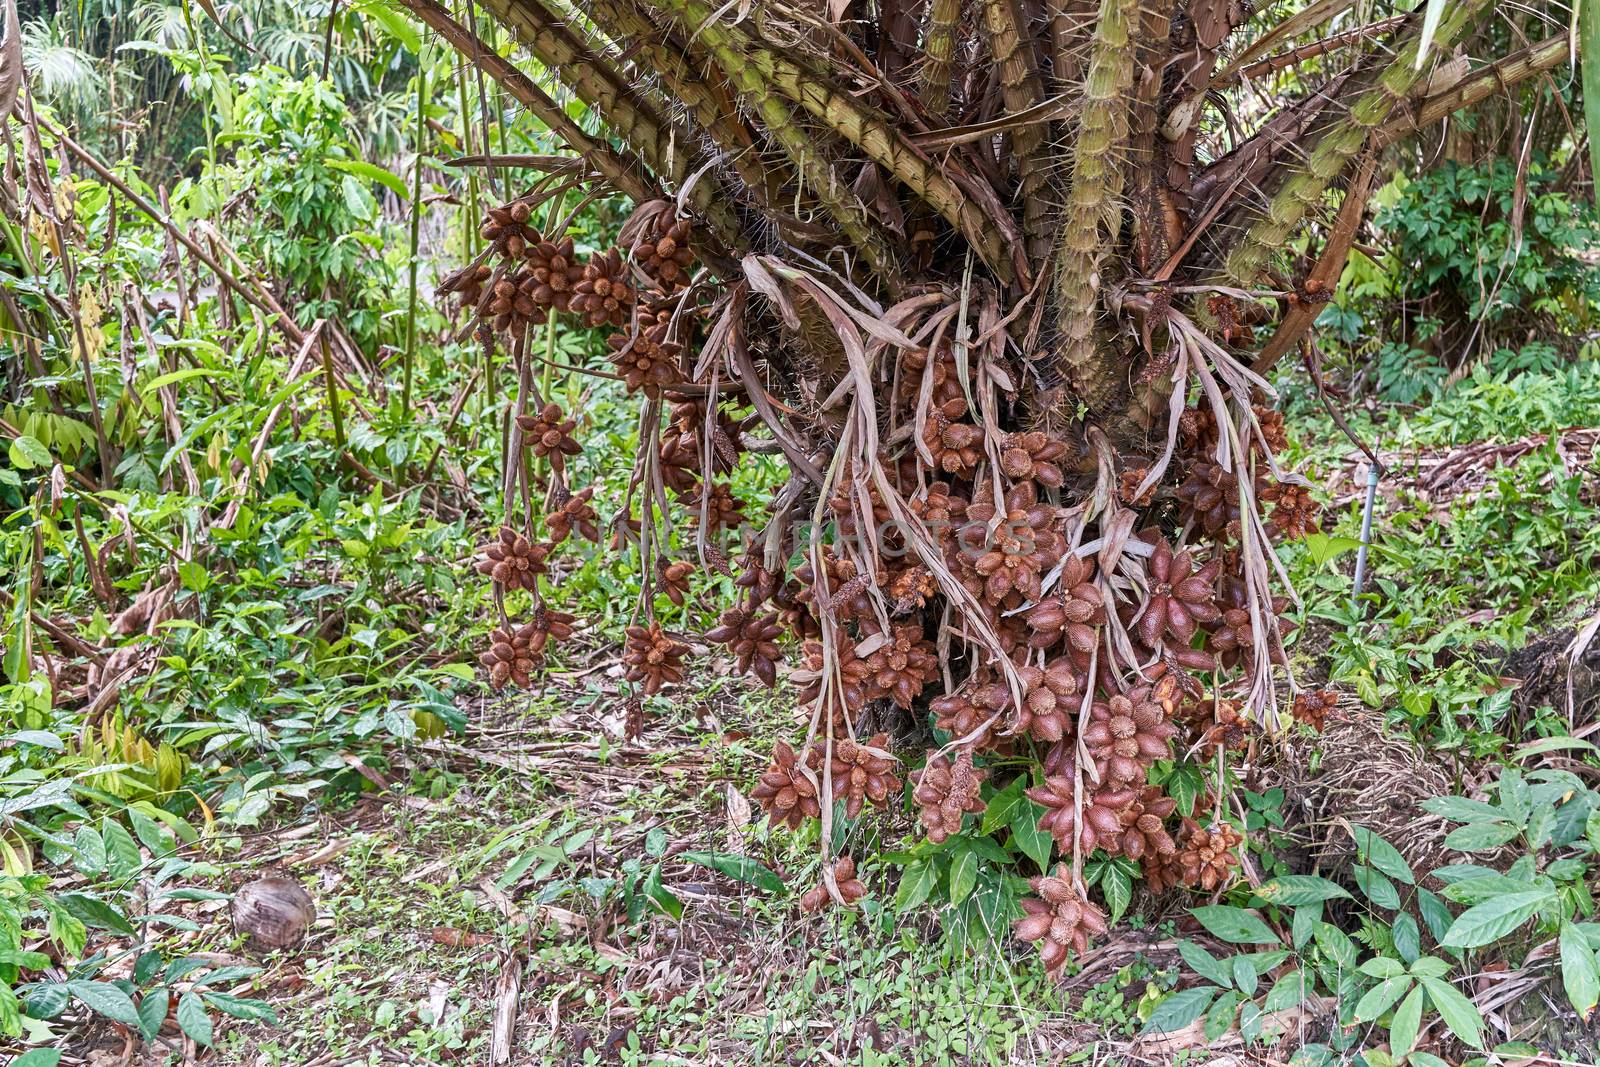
{"x": 553, "y": 272}
{"x": 665, "y": 256}
{"x": 848, "y": 595}
{"x": 901, "y": 666}
{"x": 784, "y": 792}
{"x": 1128, "y": 483}
{"x": 466, "y": 284}
{"x": 1294, "y": 513}
{"x": 956, "y": 447}
{"x": 1311, "y": 706}
{"x": 547, "y": 625}
{"x": 1052, "y": 696}
{"x": 723, "y": 510}
{"x": 673, "y": 579}
{"x": 1032, "y": 456}
{"x": 548, "y": 432}
{"x": 1181, "y": 595}
{"x": 1102, "y": 811}
{"x": 1143, "y": 829}
{"x": 968, "y": 709}
{"x": 945, "y": 792}
{"x": 1234, "y": 639}
{"x": 646, "y": 360}
{"x": 604, "y": 295}
{"x": 1210, "y": 497}
{"x": 507, "y": 231}
{"x": 652, "y": 658}
{"x": 863, "y": 773}
{"x": 910, "y": 588}
{"x": 844, "y": 876}
{"x": 1071, "y": 612}
{"x": 1213, "y": 724}
{"x": 1059, "y": 917}
{"x": 753, "y": 640}
{"x": 513, "y": 561}
{"x": 852, "y": 687}
{"x": 1126, "y": 734}
{"x": 575, "y": 513}
{"x": 510, "y": 656}
{"x": 1209, "y": 856}
{"x": 508, "y": 302}
{"x": 1272, "y": 427}
{"x": 1016, "y": 555}
{"x": 680, "y": 462}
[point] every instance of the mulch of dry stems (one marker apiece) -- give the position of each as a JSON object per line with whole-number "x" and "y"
{"x": 1442, "y": 474}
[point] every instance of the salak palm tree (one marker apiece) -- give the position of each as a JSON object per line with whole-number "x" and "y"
{"x": 1002, "y": 279}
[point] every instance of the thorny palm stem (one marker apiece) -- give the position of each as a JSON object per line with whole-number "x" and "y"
{"x": 1336, "y": 150}
{"x": 1094, "y": 209}
{"x": 1021, "y": 89}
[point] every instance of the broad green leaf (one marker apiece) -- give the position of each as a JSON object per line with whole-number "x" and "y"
{"x": 1382, "y": 855}
{"x": 1383, "y": 967}
{"x": 1244, "y": 975}
{"x": 1324, "y": 547}
{"x": 193, "y": 1019}
{"x": 393, "y": 22}
{"x": 1480, "y": 837}
{"x": 1337, "y": 946}
{"x": 97, "y": 913}
{"x": 173, "y": 377}
{"x": 1293, "y": 890}
{"x": 1118, "y": 889}
{"x": 1034, "y": 842}
{"x": 1484, "y": 923}
{"x": 1286, "y": 992}
{"x": 1002, "y": 807}
{"x": 243, "y": 1008}
{"x": 1407, "y": 1021}
{"x": 915, "y": 885}
{"x": 1430, "y": 967}
{"x": 153, "y": 1011}
{"x": 105, "y": 999}
{"x": 1462, "y": 809}
{"x": 1407, "y": 937}
{"x": 1220, "y": 1017}
{"x": 39, "y": 1057}
{"x": 1550, "y": 744}
{"x": 1459, "y": 1013}
{"x": 90, "y": 850}
{"x": 1306, "y": 919}
{"x": 362, "y": 169}
{"x": 739, "y": 868}
{"x": 1236, "y": 926}
{"x": 1378, "y": 889}
{"x": 1181, "y": 1008}
{"x": 122, "y": 851}
{"x": 1381, "y": 997}
{"x": 963, "y": 875}
{"x": 1578, "y": 973}
{"x": 26, "y": 453}
{"x": 1204, "y": 963}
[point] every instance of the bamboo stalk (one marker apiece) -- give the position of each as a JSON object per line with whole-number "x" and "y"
{"x": 416, "y": 232}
